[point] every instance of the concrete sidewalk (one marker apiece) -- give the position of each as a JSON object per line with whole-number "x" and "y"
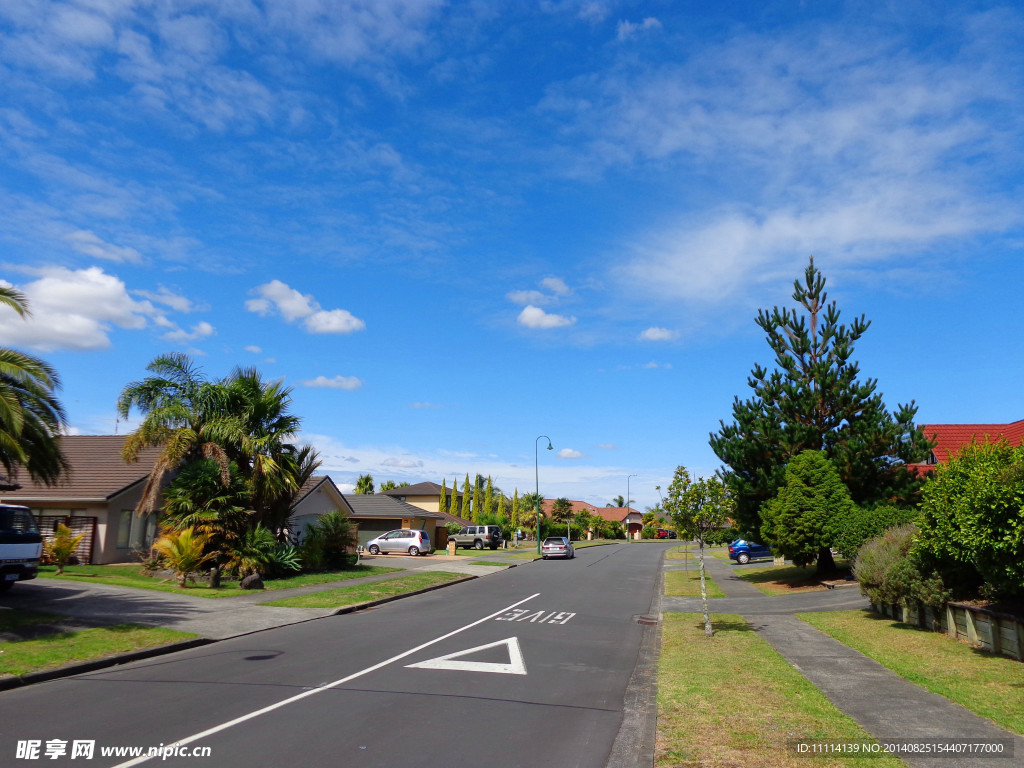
{"x": 886, "y": 705}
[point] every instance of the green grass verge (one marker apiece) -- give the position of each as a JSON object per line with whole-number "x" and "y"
{"x": 990, "y": 686}
{"x": 133, "y": 576}
{"x": 687, "y": 584}
{"x": 732, "y": 700}
{"x": 489, "y": 562}
{"x": 15, "y": 618}
{"x": 363, "y": 593}
{"x": 787, "y": 579}
{"x": 19, "y": 657}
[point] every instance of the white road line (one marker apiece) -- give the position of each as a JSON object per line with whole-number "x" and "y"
{"x": 322, "y": 688}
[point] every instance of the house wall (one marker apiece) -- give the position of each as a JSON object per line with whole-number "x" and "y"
{"x": 309, "y": 509}
{"x": 428, "y": 503}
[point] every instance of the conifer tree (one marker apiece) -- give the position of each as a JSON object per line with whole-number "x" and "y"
{"x": 814, "y": 400}
{"x": 489, "y": 497}
{"x": 454, "y": 508}
{"x": 466, "y": 512}
{"x": 515, "y": 510}
{"x": 442, "y": 502}
{"x": 477, "y": 501}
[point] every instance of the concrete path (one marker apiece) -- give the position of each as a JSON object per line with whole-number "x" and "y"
{"x": 886, "y": 705}
{"x": 85, "y": 604}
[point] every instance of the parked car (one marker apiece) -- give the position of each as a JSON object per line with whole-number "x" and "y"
{"x": 665, "y": 533}
{"x": 411, "y": 540}
{"x": 478, "y": 536}
{"x": 743, "y": 551}
{"x": 557, "y": 546}
{"x": 21, "y": 545}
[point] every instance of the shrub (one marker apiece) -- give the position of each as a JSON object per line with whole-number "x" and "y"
{"x": 331, "y": 538}
{"x": 972, "y": 519}
{"x": 890, "y": 571}
{"x": 183, "y": 552}
{"x": 452, "y": 527}
{"x": 648, "y": 532}
{"x": 61, "y": 548}
{"x": 858, "y": 525}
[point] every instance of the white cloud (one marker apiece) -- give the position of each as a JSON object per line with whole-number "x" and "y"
{"x": 89, "y": 243}
{"x": 402, "y": 463}
{"x": 75, "y": 309}
{"x": 653, "y": 365}
{"x": 535, "y": 317}
{"x": 254, "y": 349}
{"x": 167, "y": 298}
{"x": 427, "y": 406}
{"x": 338, "y": 382}
{"x": 569, "y": 453}
{"x": 295, "y": 306}
{"x": 628, "y": 29}
{"x": 556, "y": 285}
{"x": 199, "y": 331}
{"x": 608, "y": 447}
{"x": 656, "y": 333}
{"x": 527, "y": 297}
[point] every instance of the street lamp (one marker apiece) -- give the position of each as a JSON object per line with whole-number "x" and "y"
{"x": 536, "y": 478}
{"x": 627, "y": 502}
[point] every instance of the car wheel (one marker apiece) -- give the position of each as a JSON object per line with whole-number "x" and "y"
{"x": 478, "y": 544}
{"x": 5, "y": 585}
{"x": 373, "y": 549}
{"x": 742, "y": 558}
{"x": 543, "y": 557}
{"x": 414, "y": 551}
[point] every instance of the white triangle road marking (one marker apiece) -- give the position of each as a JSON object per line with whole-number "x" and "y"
{"x": 516, "y": 666}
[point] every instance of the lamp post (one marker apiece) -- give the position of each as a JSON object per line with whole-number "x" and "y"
{"x": 627, "y": 502}
{"x": 536, "y": 478}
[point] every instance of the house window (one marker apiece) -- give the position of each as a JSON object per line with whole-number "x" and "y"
{"x": 135, "y": 532}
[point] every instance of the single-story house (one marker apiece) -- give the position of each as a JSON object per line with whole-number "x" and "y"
{"x": 427, "y": 496}
{"x": 951, "y": 438}
{"x": 97, "y": 497}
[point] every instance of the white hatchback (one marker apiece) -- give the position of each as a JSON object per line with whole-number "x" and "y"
{"x": 410, "y": 540}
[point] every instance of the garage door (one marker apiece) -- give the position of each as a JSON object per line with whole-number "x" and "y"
{"x": 371, "y": 528}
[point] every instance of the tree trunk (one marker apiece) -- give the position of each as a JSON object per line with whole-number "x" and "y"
{"x": 704, "y": 591}
{"x": 826, "y": 563}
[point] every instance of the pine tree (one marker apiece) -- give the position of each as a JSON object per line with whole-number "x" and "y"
{"x": 814, "y": 401}
{"x": 801, "y": 522}
{"x": 454, "y": 508}
{"x": 442, "y": 502}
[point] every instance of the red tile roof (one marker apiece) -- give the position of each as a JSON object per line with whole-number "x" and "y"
{"x": 950, "y": 438}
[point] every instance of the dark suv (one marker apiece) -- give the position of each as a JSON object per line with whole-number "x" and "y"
{"x": 478, "y": 536}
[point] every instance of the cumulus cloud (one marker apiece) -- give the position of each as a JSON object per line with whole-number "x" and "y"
{"x": 76, "y": 310}
{"x": 402, "y": 463}
{"x": 168, "y": 298}
{"x": 555, "y": 286}
{"x": 656, "y": 333}
{"x": 535, "y": 317}
{"x": 569, "y": 453}
{"x": 254, "y": 349}
{"x": 337, "y": 382}
{"x": 91, "y": 244}
{"x": 294, "y": 306}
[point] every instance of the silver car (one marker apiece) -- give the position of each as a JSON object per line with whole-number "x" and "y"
{"x": 557, "y": 546}
{"x": 410, "y": 540}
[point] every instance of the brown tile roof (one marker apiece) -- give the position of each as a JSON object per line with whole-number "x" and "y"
{"x": 382, "y": 505}
{"x": 426, "y": 488}
{"x": 97, "y": 471}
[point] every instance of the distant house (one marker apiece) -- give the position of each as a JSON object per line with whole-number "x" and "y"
{"x": 427, "y": 496}
{"x": 630, "y": 520}
{"x": 950, "y": 439}
{"x": 97, "y": 497}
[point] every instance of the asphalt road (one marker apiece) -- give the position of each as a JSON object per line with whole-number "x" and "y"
{"x": 528, "y": 667}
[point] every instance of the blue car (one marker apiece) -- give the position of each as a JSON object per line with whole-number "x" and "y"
{"x": 743, "y": 551}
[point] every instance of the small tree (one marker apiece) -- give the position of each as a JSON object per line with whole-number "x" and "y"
{"x": 697, "y": 509}
{"x": 184, "y": 553}
{"x": 442, "y": 501}
{"x": 800, "y": 522}
{"x": 515, "y": 510}
{"x": 477, "y": 499}
{"x": 465, "y": 509}
{"x": 561, "y": 510}
{"x": 62, "y": 546}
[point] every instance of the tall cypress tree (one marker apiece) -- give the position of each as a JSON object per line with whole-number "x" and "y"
{"x": 489, "y": 497}
{"x": 466, "y": 512}
{"x": 477, "y": 502}
{"x": 515, "y": 510}
{"x": 442, "y": 502}
{"x": 814, "y": 400}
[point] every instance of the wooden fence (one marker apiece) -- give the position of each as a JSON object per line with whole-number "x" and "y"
{"x": 997, "y": 633}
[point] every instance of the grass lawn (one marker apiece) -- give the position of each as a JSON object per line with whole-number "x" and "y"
{"x": 337, "y": 598}
{"x": 133, "y": 576}
{"x": 489, "y": 562}
{"x": 787, "y": 579}
{"x": 19, "y": 657}
{"x": 687, "y": 584}
{"x": 707, "y": 719}
{"x": 990, "y": 686}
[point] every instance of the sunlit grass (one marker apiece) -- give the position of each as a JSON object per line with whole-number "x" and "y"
{"x": 364, "y": 593}
{"x": 687, "y": 584}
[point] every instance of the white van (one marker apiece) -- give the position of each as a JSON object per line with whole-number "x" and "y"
{"x": 21, "y": 545}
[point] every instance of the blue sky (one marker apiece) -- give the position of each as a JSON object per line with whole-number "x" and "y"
{"x": 453, "y": 227}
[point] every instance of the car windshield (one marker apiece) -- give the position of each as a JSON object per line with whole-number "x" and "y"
{"x": 17, "y": 520}
{"x": 554, "y": 542}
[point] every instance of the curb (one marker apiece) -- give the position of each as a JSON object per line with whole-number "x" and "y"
{"x": 80, "y": 668}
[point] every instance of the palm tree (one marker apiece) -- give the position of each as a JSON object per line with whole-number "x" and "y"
{"x": 182, "y": 416}
{"x": 31, "y": 417}
{"x": 183, "y": 552}
{"x": 364, "y": 485}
